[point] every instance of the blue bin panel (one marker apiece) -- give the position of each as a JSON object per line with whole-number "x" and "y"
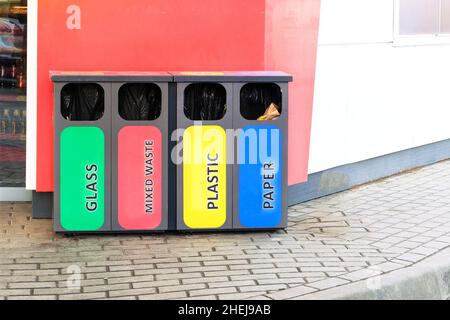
{"x": 260, "y": 177}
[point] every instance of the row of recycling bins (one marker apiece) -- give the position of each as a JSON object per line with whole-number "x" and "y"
{"x": 143, "y": 152}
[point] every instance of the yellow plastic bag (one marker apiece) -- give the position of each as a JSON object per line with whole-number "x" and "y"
{"x": 272, "y": 113}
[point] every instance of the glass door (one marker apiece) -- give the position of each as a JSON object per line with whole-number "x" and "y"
{"x": 13, "y": 66}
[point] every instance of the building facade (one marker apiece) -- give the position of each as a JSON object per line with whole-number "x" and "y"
{"x": 381, "y": 99}
{"x": 379, "y": 87}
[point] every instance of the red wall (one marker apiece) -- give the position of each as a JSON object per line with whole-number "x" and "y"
{"x": 191, "y": 35}
{"x": 291, "y": 46}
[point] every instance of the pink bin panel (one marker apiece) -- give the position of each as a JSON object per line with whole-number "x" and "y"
{"x": 140, "y": 178}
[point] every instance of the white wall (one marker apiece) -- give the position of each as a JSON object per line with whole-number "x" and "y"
{"x": 373, "y": 97}
{"x": 32, "y": 94}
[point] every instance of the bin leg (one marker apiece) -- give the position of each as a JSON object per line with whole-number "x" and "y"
{"x": 42, "y": 205}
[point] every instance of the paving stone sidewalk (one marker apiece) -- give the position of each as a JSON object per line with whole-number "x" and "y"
{"x": 333, "y": 241}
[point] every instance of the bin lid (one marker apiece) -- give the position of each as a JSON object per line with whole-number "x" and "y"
{"x": 110, "y": 76}
{"x": 232, "y": 76}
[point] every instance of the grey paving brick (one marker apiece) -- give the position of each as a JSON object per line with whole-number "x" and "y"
{"x": 251, "y": 266}
{"x": 11, "y": 279}
{"x": 178, "y": 265}
{"x": 108, "y": 263}
{"x": 205, "y": 269}
{"x": 202, "y": 258}
{"x": 35, "y": 272}
{"x": 19, "y": 266}
{"x": 291, "y": 293}
{"x": 14, "y": 292}
{"x": 83, "y": 296}
{"x": 436, "y": 245}
{"x": 239, "y": 296}
{"x": 208, "y": 292}
{"x": 154, "y": 260}
{"x": 131, "y": 279}
{"x": 322, "y": 269}
{"x": 282, "y": 281}
{"x": 155, "y": 284}
{"x": 187, "y": 275}
{"x": 46, "y": 278}
{"x": 202, "y": 298}
{"x": 108, "y": 275}
{"x": 105, "y": 288}
{"x": 227, "y": 273}
{"x": 31, "y": 298}
{"x": 156, "y": 271}
{"x": 225, "y": 262}
{"x": 164, "y": 296}
{"x": 232, "y": 284}
{"x": 328, "y": 283}
{"x": 131, "y": 292}
{"x": 32, "y": 285}
{"x": 302, "y": 274}
{"x": 361, "y": 274}
{"x": 424, "y": 251}
{"x": 274, "y": 270}
{"x": 411, "y": 257}
{"x": 131, "y": 267}
{"x": 270, "y": 287}
{"x": 55, "y": 291}
{"x": 204, "y": 280}
{"x": 387, "y": 266}
{"x": 186, "y": 287}
{"x": 85, "y": 282}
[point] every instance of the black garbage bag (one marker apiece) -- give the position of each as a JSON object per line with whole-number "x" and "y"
{"x": 205, "y": 101}
{"x": 257, "y": 97}
{"x": 82, "y": 102}
{"x": 140, "y": 101}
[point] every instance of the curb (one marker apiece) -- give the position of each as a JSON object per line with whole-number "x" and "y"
{"x": 428, "y": 279}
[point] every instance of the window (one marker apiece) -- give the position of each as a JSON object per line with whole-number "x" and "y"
{"x": 423, "y": 17}
{"x": 13, "y": 39}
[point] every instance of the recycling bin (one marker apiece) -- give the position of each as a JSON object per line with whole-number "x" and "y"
{"x": 140, "y": 156}
{"x": 145, "y": 152}
{"x": 260, "y": 119}
{"x": 82, "y": 126}
{"x": 111, "y": 151}
{"x": 204, "y": 113}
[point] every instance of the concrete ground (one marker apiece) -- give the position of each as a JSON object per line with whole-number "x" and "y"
{"x": 353, "y": 239}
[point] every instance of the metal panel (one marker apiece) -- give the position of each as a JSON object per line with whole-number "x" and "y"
{"x": 183, "y": 180}
{"x": 140, "y": 167}
{"x": 83, "y": 176}
{"x": 260, "y": 194}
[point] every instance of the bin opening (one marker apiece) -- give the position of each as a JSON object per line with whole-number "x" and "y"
{"x": 261, "y": 101}
{"x": 140, "y": 101}
{"x": 82, "y": 102}
{"x": 205, "y": 101}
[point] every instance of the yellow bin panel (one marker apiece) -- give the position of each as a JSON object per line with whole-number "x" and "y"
{"x": 205, "y": 177}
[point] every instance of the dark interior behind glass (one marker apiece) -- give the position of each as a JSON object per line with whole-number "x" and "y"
{"x": 13, "y": 66}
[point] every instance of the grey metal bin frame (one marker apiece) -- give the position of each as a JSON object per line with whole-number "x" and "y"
{"x": 60, "y": 124}
{"x": 172, "y": 117}
{"x": 233, "y": 83}
{"x": 162, "y": 123}
{"x": 182, "y": 122}
{"x": 239, "y": 122}
{"x": 111, "y": 123}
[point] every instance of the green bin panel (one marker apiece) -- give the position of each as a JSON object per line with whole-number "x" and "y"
{"x": 82, "y": 178}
